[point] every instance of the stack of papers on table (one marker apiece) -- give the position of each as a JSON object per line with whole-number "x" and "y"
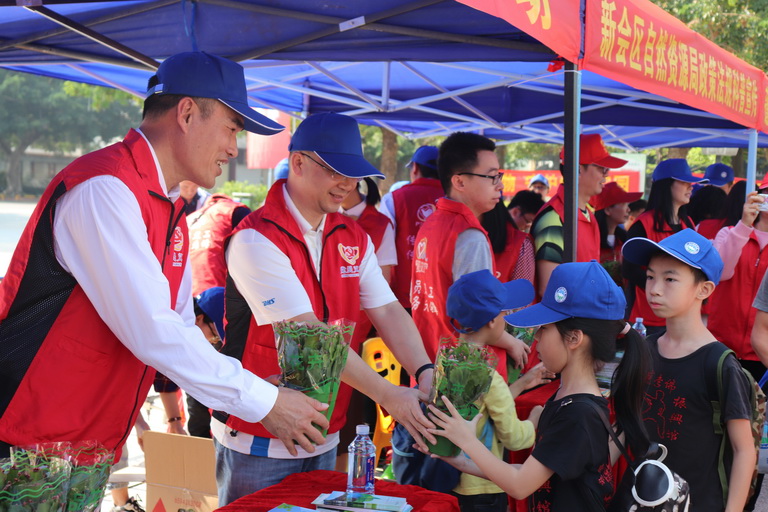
{"x": 359, "y": 502}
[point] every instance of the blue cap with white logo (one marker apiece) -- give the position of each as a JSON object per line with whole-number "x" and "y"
{"x": 202, "y": 75}
{"x": 687, "y": 246}
{"x": 719, "y": 174}
{"x": 582, "y": 290}
{"x": 678, "y": 169}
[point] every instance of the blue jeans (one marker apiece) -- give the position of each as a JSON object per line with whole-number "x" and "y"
{"x": 238, "y": 474}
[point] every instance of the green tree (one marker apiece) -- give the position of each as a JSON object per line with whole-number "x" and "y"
{"x": 38, "y": 111}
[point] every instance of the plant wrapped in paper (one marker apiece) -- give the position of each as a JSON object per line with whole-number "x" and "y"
{"x": 89, "y": 461}
{"x": 463, "y": 373}
{"x": 29, "y": 483}
{"x": 312, "y": 357}
{"x": 524, "y": 334}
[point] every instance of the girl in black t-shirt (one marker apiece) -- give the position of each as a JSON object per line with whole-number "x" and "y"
{"x": 581, "y": 318}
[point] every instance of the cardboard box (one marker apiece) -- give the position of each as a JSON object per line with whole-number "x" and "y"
{"x": 181, "y": 474}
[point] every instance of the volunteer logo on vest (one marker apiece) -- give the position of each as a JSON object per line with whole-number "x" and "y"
{"x": 200, "y": 239}
{"x": 560, "y": 294}
{"x": 350, "y": 255}
{"x": 421, "y": 256}
{"x": 425, "y": 211}
{"x": 177, "y": 243}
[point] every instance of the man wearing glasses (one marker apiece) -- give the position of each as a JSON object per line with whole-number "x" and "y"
{"x": 451, "y": 242}
{"x": 594, "y": 164}
{"x": 297, "y": 258}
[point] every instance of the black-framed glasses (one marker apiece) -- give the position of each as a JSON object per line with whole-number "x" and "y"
{"x": 495, "y": 179}
{"x": 602, "y": 170}
{"x": 335, "y": 176}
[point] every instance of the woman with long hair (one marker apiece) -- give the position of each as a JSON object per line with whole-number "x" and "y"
{"x": 665, "y": 215}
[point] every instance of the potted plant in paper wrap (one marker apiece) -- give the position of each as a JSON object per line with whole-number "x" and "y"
{"x": 524, "y": 334}
{"x": 312, "y": 357}
{"x": 463, "y": 373}
{"x": 54, "y": 477}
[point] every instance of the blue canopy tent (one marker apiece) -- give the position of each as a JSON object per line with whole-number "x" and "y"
{"x": 416, "y": 67}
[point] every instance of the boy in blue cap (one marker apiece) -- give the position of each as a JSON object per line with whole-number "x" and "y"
{"x": 682, "y": 272}
{"x": 477, "y": 302}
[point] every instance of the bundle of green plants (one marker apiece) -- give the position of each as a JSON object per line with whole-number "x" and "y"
{"x": 34, "y": 485}
{"x": 463, "y": 374}
{"x": 88, "y": 466}
{"x": 312, "y": 356}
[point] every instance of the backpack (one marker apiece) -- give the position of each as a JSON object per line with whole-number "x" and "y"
{"x": 757, "y": 406}
{"x": 648, "y": 484}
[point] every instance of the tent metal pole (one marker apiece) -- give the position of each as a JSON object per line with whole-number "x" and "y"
{"x": 91, "y": 22}
{"x": 752, "y": 160}
{"x": 94, "y": 36}
{"x": 572, "y": 97}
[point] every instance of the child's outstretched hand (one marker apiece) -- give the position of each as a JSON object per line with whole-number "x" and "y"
{"x": 452, "y": 426}
{"x": 536, "y": 376}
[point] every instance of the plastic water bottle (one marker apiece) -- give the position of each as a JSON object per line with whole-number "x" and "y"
{"x": 361, "y": 462}
{"x": 639, "y": 327}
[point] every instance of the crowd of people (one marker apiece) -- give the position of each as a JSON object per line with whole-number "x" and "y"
{"x": 129, "y": 274}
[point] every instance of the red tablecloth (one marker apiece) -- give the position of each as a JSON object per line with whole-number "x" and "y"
{"x": 301, "y": 488}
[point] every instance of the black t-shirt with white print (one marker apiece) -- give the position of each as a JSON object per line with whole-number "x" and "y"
{"x": 678, "y": 414}
{"x": 572, "y": 441}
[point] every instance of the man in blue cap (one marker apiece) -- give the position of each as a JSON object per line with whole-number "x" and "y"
{"x": 408, "y": 207}
{"x": 297, "y": 258}
{"x": 720, "y": 175}
{"x": 98, "y": 293}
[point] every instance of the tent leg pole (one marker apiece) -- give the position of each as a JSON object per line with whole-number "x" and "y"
{"x": 752, "y": 161}
{"x": 572, "y": 99}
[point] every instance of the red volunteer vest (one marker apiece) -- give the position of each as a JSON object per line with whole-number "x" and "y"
{"x": 413, "y": 203}
{"x": 344, "y": 245}
{"x": 433, "y": 273}
{"x": 375, "y": 224}
{"x": 209, "y": 227}
{"x": 588, "y": 246}
{"x": 506, "y": 261}
{"x": 731, "y": 315}
{"x": 708, "y": 228}
{"x": 65, "y": 376}
{"x": 641, "y": 307}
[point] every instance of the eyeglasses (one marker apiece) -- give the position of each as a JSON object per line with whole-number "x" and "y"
{"x": 602, "y": 170}
{"x": 335, "y": 176}
{"x": 495, "y": 179}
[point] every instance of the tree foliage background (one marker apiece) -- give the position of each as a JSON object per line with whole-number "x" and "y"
{"x": 57, "y": 116}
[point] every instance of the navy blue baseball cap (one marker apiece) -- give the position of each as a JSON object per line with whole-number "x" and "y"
{"x": 336, "y": 140}
{"x": 478, "y": 297}
{"x": 719, "y": 174}
{"x": 203, "y": 75}
{"x": 687, "y": 246}
{"x": 211, "y": 302}
{"x": 426, "y": 156}
{"x": 676, "y": 168}
{"x": 583, "y": 290}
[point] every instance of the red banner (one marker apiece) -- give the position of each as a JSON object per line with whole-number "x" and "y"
{"x": 514, "y": 180}
{"x": 559, "y": 30}
{"x": 637, "y": 43}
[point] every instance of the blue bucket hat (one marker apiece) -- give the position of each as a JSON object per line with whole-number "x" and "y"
{"x": 203, "y": 75}
{"x": 676, "y": 168}
{"x": 211, "y": 302}
{"x": 687, "y": 246}
{"x": 336, "y": 140}
{"x": 583, "y": 290}
{"x": 426, "y": 156}
{"x": 478, "y": 297}
{"x": 281, "y": 169}
{"x": 719, "y": 174}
